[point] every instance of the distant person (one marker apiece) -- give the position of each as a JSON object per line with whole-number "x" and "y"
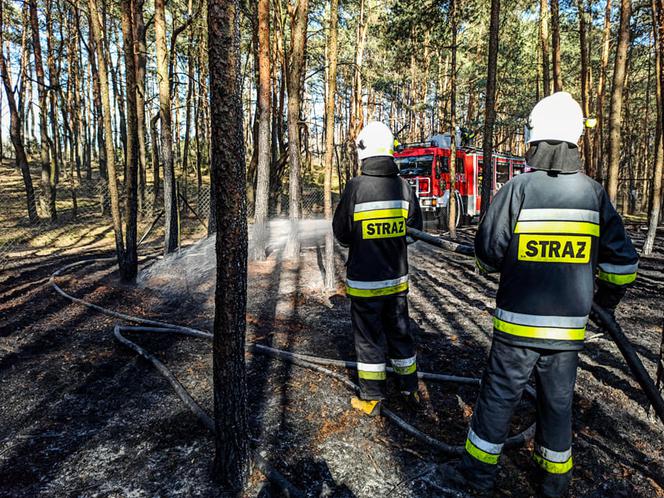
{"x": 547, "y": 232}
{"x": 371, "y": 220}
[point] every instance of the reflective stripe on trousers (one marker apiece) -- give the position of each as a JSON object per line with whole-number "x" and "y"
{"x": 371, "y": 371}
{"x": 566, "y": 328}
{"x": 482, "y": 450}
{"x": 404, "y": 366}
{"x": 359, "y": 288}
{"x": 553, "y": 462}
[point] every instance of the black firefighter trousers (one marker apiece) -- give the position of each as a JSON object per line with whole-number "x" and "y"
{"x": 509, "y": 368}
{"x": 381, "y": 330}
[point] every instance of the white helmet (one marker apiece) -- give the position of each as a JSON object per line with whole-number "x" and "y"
{"x": 375, "y": 139}
{"x": 556, "y": 117}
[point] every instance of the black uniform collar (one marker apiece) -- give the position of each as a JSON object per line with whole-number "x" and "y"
{"x": 379, "y": 166}
{"x": 554, "y": 156}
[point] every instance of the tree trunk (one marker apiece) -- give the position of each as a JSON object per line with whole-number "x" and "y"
{"x": 130, "y": 267}
{"x": 333, "y": 49}
{"x": 47, "y": 170}
{"x": 172, "y": 223}
{"x": 96, "y": 35}
{"x": 489, "y": 108}
{"x": 299, "y": 18}
{"x": 355, "y": 121}
{"x": 656, "y": 190}
{"x": 452, "y": 207}
{"x": 259, "y": 239}
{"x": 584, "y": 21}
{"x": 98, "y": 111}
{"x": 155, "y": 161}
{"x": 555, "y": 42}
{"x": 140, "y": 56}
{"x": 231, "y": 466}
{"x": 188, "y": 103}
{"x": 15, "y": 135}
{"x": 544, "y": 44}
{"x": 118, "y": 92}
{"x": 599, "y": 142}
{"x": 54, "y": 86}
{"x": 615, "y": 118}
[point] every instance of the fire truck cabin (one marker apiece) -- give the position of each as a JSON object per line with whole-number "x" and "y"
{"x": 426, "y": 168}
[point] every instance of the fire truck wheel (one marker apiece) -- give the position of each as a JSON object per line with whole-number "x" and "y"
{"x": 444, "y": 216}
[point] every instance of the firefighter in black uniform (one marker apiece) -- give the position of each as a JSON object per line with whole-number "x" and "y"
{"x": 371, "y": 221}
{"x": 556, "y": 240}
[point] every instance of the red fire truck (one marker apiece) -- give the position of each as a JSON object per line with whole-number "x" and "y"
{"x": 426, "y": 167}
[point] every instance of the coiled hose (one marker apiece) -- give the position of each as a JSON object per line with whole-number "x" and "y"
{"x": 310, "y": 362}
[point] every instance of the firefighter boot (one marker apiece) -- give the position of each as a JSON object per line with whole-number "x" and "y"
{"x": 413, "y": 400}
{"x": 451, "y": 475}
{"x": 369, "y": 407}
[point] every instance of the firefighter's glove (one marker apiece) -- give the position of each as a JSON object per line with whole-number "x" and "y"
{"x": 368, "y": 407}
{"x": 410, "y": 240}
{"x": 413, "y": 401}
{"x": 596, "y": 319}
{"x": 608, "y": 296}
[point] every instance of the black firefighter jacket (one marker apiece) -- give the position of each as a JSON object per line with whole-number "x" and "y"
{"x": 549, "y": 234}
{"x": 371, "y": 220}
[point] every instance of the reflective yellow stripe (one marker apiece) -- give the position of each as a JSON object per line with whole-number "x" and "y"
{"x": 571, "y": 227}
{"x": 553, "y": 467}
{"x": 385, "y": 291}
{"x": 481, "y": 455}
{"x": 616, "y": 278}
{"x": 405, "y": 370}
{"x": 363, "y": 374}
{"x": 560, "y": 334}
{"x": 380, "y": 213}
{"x": 554, "y": 249}
{"x": 384, "y": 228}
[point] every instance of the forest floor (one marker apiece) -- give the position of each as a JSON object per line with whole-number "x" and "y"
{"x": 83, "y": 416}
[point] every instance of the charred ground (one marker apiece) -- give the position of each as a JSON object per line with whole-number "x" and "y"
{"x": 83, "y": 416}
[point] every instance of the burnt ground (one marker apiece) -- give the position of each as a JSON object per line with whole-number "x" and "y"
{"x": 83, "y": 416}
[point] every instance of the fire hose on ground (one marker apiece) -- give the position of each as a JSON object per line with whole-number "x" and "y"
{"x": 318, "y": 364}
{"x": 310, "y": 362}
{"x": 607, "y": 322}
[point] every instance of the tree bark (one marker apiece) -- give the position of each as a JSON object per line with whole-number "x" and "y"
{"x": 332, "y": 51}
{"x": 16, "y": 136}
{"x": 615, "y": 118}
{"x": 140, "y": 56}
{"x": 259, "y": 239}
{"x": 130, "y": 267}
{"x": 555, "y": 42}
{"x": 98, "y": 111}
{"x": 299, "y": 18}
{"x": 544, "y": 44}
{"x": 355, "y": 121}
{"x": 47, "y": 169}
{"x": 451, "y": 203}
{"x": 54, "y": 87}
{"x": 188, "y": 104}
{"x": 231, "y": 466}
{"x": 584, "y": 21}
{"x": 656, "y": 190}
{"x": 172, "y": 223}
{"x": 155, "y": 161}
{"x": 490, "y": 108}
{"x": 96, "y": 35}
{"x": 599, "y": 142}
